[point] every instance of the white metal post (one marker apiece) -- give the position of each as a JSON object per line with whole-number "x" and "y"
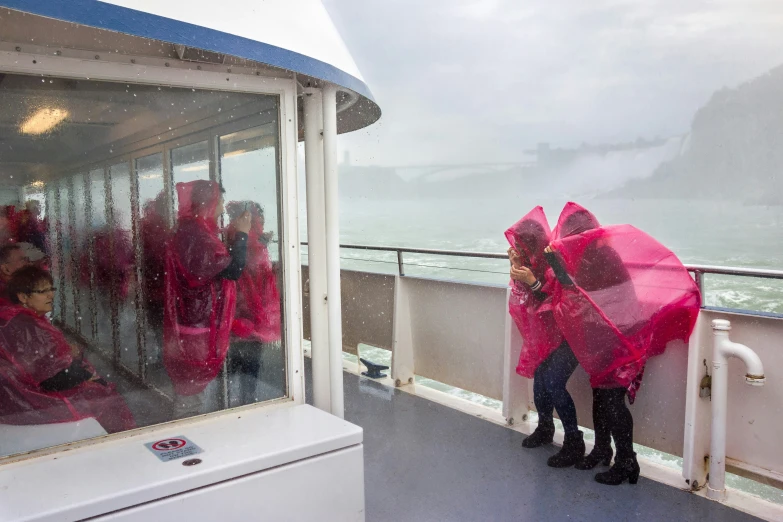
{"x": 292, "y": 267}
{"x": 316, "y": 248}
{"x": 333, "y": 249}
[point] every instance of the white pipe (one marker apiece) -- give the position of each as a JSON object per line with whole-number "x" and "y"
{"x": 316, "y": 249}
{"x": 723, "y": 349}
{"x": 333, "y": 249}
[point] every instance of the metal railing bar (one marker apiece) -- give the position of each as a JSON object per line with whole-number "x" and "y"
{"x": 736, "y": 271}
{"x": 452, "y": 253}
{"x": 364, "y": 259}
{"x": 699, "y": 270}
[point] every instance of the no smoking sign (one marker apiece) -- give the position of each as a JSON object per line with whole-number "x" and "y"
{"x": 173, "y": 448}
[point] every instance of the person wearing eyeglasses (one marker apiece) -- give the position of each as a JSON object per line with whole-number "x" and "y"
{"x": 43, "y": 378}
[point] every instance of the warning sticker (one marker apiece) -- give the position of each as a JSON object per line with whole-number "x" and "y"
{"x": 173, "y": 448}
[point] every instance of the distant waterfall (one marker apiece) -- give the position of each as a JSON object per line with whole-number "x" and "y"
{"x": 595, "y": 172}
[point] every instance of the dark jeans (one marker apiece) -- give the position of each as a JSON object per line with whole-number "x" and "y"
{"x": 244, "y": 372}
{"x": 613, "y": 419}
{"x": 549, "y": 388}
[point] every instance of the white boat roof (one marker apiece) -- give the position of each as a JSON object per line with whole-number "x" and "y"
{"x": 294, "y": 35}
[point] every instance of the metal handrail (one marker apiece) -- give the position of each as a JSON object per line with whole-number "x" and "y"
{"x": 697, "y": 270}
{"x": 405, "y": 250}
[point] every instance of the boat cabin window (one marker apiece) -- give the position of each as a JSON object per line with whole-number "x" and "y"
{"x": 148, "y": 221}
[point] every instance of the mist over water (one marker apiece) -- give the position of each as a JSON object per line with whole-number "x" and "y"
{"x": 713, "y": 195}
{"x": 699, "y": 232}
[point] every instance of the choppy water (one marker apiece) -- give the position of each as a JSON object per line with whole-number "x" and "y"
{"x": 699, "y": 232}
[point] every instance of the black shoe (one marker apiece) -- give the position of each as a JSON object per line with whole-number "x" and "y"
{"x": 623, "y": 469}
{"x": 543, "y": 435}
{"x": 573, "y": 451}
{"x": 598, "y": 456}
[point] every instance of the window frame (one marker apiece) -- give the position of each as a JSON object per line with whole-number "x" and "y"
{"x": 158, "y": 72}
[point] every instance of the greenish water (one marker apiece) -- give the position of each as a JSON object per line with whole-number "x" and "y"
{"x": 699, "y": 232}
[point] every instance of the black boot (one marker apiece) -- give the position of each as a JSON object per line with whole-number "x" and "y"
{"x": 573, "y": 451}
{"x": 598, "y": 456}
{"x": 623, "y": 469}
{"x": 544, "y": 434}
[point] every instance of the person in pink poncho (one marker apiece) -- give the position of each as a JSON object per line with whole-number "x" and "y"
{"x": 258, "y": 299}
{"x": 43, "y": 379}
{"x": 257, "y": 317}
{"x": 199, "y": 295}
{"x": 545, "y": 356}
{"x": 622, "y": 298}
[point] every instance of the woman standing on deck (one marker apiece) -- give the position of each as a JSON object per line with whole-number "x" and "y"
{"x": 545, "y": 355}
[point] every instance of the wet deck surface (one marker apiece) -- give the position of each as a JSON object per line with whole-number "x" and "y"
{"x": 428, "y": 462}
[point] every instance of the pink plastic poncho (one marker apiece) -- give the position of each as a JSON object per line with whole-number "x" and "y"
{"x": 631, "y": 296}
{"x": 258, "y": 299}
{"x": 32, "y": 351}
{"x": 533, "y": 317}
{"x": 198, "y": 304}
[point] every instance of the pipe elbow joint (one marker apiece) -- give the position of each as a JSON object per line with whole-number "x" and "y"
{"x": 754, "y": 374}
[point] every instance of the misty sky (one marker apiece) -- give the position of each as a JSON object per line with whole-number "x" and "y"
{"x": 483, "y": 80}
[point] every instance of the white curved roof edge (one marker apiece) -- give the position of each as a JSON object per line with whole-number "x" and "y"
{"x": 296, "y": 35}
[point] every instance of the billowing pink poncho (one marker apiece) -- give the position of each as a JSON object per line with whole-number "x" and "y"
{"x": 631, "y": 296}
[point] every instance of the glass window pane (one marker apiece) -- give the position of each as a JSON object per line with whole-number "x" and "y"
{"x": 249, "y": 174}
{"x": 189, "y": 163}
{"x": 122, "y": 266}
{"x": 100, "y": 247}
{"x": 31, "y": 223}
{"x": 81, "y": 256}
{"x": 120, "y": 287}
{"x": 34, "y": 195}
{"x": 68, "y": 316}
{"x": 153, "y": 227}
{"x": 52, "y": 227}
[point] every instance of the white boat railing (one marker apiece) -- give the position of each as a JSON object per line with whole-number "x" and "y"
{"x": 461, "y": 334}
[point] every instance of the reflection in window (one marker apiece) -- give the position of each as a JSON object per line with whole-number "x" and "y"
{"x": 99, "y": 245}
{"x": 154, "y": 229}
{"x": 66, "y": 299}
{"x": 81, "y": 254}
{"x": 119, "y": 268}
{"x": 248, "y": 168}
{"x": 52, "y": 225}
{"x": 125, "y": 280}
{"x": 189, "y": 163}
{"x": 34, "y": 195}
